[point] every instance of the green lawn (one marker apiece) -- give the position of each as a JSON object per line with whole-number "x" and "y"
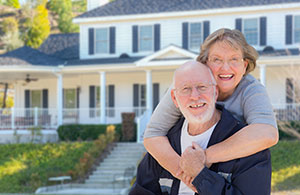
{"x": 25, "y": 167}
{"x": 286, "y": 166}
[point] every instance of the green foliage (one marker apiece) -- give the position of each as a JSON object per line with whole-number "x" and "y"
{"x": 11, "y": 38}
{"x": 63, "y": 8}
{"x": 25, "y": 167}
{"x": 38, "y": 28}
{"x": 79, "y": 6}
{"x": 9, "y": 24}
{"x": 292, "y": 124}
{"x": 9, "y": 101}
{"x": 84, "y": 132}
{"x": 12, "y": 3}
{"x": 286, "y": 166}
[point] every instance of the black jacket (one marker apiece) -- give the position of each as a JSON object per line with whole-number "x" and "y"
{"x": 250, "y": 175}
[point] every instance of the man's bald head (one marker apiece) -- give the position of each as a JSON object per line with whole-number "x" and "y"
{"x": 192, "y": 67}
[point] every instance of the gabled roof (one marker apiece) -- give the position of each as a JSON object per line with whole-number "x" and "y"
{"x": 171, "y": 55}
{"x": 63, "y": 46}
{"x": 132, "y": 7}
{"x": 28, "y": 56}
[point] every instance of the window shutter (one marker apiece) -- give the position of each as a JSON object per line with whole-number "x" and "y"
{"x": 238, "y": 24}
{"x": 288, "y": 29}
{"x": 155, "y": 94}
{"x": 134, "y": 39}
{"x": 112, "y": 40}
{"x": 111, "y": 100}
{"x": 263, "y": 31}
{"x": 206, "y": 30}
{"x": 27, "y": 98}
{"x": 45, "y": 98}
{"x": 111, "y": 96}
{"x": 92, "y": 100}
{"x": 77, "y": 96}
{"x": 135, "y": 95}
{"x": 185, "y": 35}
{"x": 27, "y": 102}
{"x": 91, "y": 41}
{"x": 156, "y": 37}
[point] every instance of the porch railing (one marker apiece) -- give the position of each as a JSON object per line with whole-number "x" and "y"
{"x": 24, "y": 118}
{"x": 287, "y": 112}
{"x": 20, "y": 118}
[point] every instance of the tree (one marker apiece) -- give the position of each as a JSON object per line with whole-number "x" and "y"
{"x": 63, "y": 8}
{"x": 37, "y": 27}
{"x": 11, "y": 3}
{"x": 11, "y": 37}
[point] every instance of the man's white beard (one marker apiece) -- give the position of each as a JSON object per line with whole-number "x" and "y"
{"x": 203, "y": 118}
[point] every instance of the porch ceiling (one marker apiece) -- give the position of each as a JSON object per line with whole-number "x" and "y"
{"x": 12, "y": 77}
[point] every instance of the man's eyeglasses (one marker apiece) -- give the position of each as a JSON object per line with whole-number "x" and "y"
{"x": 187, "y": 90}
{"x": 231, "y": 62}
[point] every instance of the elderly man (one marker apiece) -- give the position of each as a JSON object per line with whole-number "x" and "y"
{"x": 204, "y": 124}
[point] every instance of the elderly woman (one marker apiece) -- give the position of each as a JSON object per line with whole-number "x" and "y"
{"x": 230, "y": 58}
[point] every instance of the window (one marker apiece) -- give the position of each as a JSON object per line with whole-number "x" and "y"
{"x": 101, "y": 40}
{"x": 297, "y": 29}
{"x": 36, "y": 98}
{"x": 251, "y": 31}
{"x": 142, "y": 102}
{"x": 110, "y": 111}
{"x": 70, "y": 98}
{"x": 146, "y": 38}
{"x": 195, "y": 35}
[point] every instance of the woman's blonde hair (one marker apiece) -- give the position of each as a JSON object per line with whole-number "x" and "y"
{"x": 236, "y": 40}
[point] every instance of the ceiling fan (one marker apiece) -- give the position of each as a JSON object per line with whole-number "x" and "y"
{"x": 28, "y": 79}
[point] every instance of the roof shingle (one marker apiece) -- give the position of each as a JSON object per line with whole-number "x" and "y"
{"x": 132, "y": 7}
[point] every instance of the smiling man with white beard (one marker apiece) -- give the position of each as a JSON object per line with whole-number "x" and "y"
{"x": 204, "y": 124}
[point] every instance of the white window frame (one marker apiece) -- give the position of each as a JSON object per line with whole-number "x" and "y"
{"x": 258, "y": 30}
{"x": 139, "y": 38}
{"x": 190, "y": 36}
{"x": 101, "y": 41}
{"x": 294, "y": 29}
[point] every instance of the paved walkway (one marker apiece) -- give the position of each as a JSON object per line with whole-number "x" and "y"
{"x": 82, "y": 191}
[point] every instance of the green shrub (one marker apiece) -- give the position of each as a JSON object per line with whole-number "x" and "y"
{"x": 85, "y": 132}
{"x": 293, "y": 124}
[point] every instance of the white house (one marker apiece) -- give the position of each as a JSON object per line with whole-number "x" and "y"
{"x": 125, "y": 54}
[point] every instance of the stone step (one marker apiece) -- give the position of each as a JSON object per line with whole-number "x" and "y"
{"x": 117, "y": 185}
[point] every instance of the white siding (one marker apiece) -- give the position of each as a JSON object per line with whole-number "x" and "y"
{"x": 171, "y": 30}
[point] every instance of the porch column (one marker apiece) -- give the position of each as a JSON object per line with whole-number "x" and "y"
{"x": 59, "y": 99}
{"x": 262, "y": 76}
{"x": 149, "y": 91}
{"x": 102, "y": 97}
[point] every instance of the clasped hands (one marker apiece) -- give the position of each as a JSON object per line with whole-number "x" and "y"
{"x": 192, "y": 161}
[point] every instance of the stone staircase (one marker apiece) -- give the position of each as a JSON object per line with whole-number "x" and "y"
{"x": 100, "y": 182}
{"x": 122, "y": 156}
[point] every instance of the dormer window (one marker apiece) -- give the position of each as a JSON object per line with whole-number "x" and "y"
{"x": 101, "y": 40}
{"x": 195, "y": 39}
{"x": 251, "y": 31}
{"x": 254, "y": 30}
{"x": 146, "y": 38}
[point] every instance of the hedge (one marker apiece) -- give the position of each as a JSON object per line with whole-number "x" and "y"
{"x": 75, "y": 132}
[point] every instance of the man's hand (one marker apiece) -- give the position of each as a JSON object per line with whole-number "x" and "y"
{"x": 187, "y": 180}
{"x": 192, "y": 160}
